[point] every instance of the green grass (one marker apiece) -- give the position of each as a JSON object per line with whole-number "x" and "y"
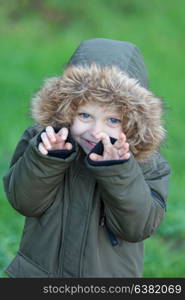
{"x": 36, "y": 45}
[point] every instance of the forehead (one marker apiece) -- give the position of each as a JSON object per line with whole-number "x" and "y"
{"x": 99, "y": 107}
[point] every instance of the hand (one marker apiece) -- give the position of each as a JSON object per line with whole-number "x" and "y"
{"x": 119, "y": 150}
{"x": 54, "y": 141}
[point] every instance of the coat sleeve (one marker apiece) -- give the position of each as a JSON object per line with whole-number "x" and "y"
{"x": 33, "y": 179}
{"x": 134, "y": 196}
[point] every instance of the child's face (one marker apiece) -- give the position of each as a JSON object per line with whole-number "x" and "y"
{"x": 92, "y": 119}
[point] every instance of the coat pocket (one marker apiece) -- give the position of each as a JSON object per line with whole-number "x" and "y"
{"x": 23, "y": 267}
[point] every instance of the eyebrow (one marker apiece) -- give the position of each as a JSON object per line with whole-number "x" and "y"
{"x": 113, "y": 115}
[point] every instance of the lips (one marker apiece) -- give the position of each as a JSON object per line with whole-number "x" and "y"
{"x": 90, "y": 144}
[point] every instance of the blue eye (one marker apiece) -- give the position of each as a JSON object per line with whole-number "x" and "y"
{"x": 114, "y": 121}
{"x": 84, "y": 115}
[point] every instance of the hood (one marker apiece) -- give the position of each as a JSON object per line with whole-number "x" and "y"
{"x": 126, "y": 56}
{"x": 109, "y": 72}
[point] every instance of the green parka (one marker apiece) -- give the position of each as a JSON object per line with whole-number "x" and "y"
{"x": 85, "y": 219}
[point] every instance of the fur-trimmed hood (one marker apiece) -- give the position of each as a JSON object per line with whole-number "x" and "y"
{"x": 108, "y": 72}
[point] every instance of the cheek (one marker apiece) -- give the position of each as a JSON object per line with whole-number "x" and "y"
{"x": 115, "y": 132}
{"x": 76, "y": 128}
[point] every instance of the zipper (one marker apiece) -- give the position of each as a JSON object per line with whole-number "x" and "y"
{"x": 65, "y": 223}
{"x": 85, "y": 232}
{"x": 65, "y": 220}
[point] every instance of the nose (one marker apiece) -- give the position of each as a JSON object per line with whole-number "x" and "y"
{"x": 96, "y": 128}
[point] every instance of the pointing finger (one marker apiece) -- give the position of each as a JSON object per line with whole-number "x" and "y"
{"x": 45, "y": 140}
{"x": 51, "y": 134}
{"x": 120, "y": 142}
{"x": 104, "y": 138}
{"x": 63, "y": 133}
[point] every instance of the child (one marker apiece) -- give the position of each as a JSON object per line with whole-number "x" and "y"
{"x": 88, "y": 175}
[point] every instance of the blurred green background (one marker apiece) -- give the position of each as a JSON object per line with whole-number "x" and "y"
{"x": 37, "y": 38}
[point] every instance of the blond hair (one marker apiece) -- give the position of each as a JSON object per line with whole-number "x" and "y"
{"x": 57, "y": 102}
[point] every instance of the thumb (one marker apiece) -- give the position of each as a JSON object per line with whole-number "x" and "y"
{"x": 95, "y": 157}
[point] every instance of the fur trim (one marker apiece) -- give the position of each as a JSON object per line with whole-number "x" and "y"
{"x": 55, "y": 104}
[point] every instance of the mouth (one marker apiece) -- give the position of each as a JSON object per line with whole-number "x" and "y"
{"x": 89, "y": 143}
